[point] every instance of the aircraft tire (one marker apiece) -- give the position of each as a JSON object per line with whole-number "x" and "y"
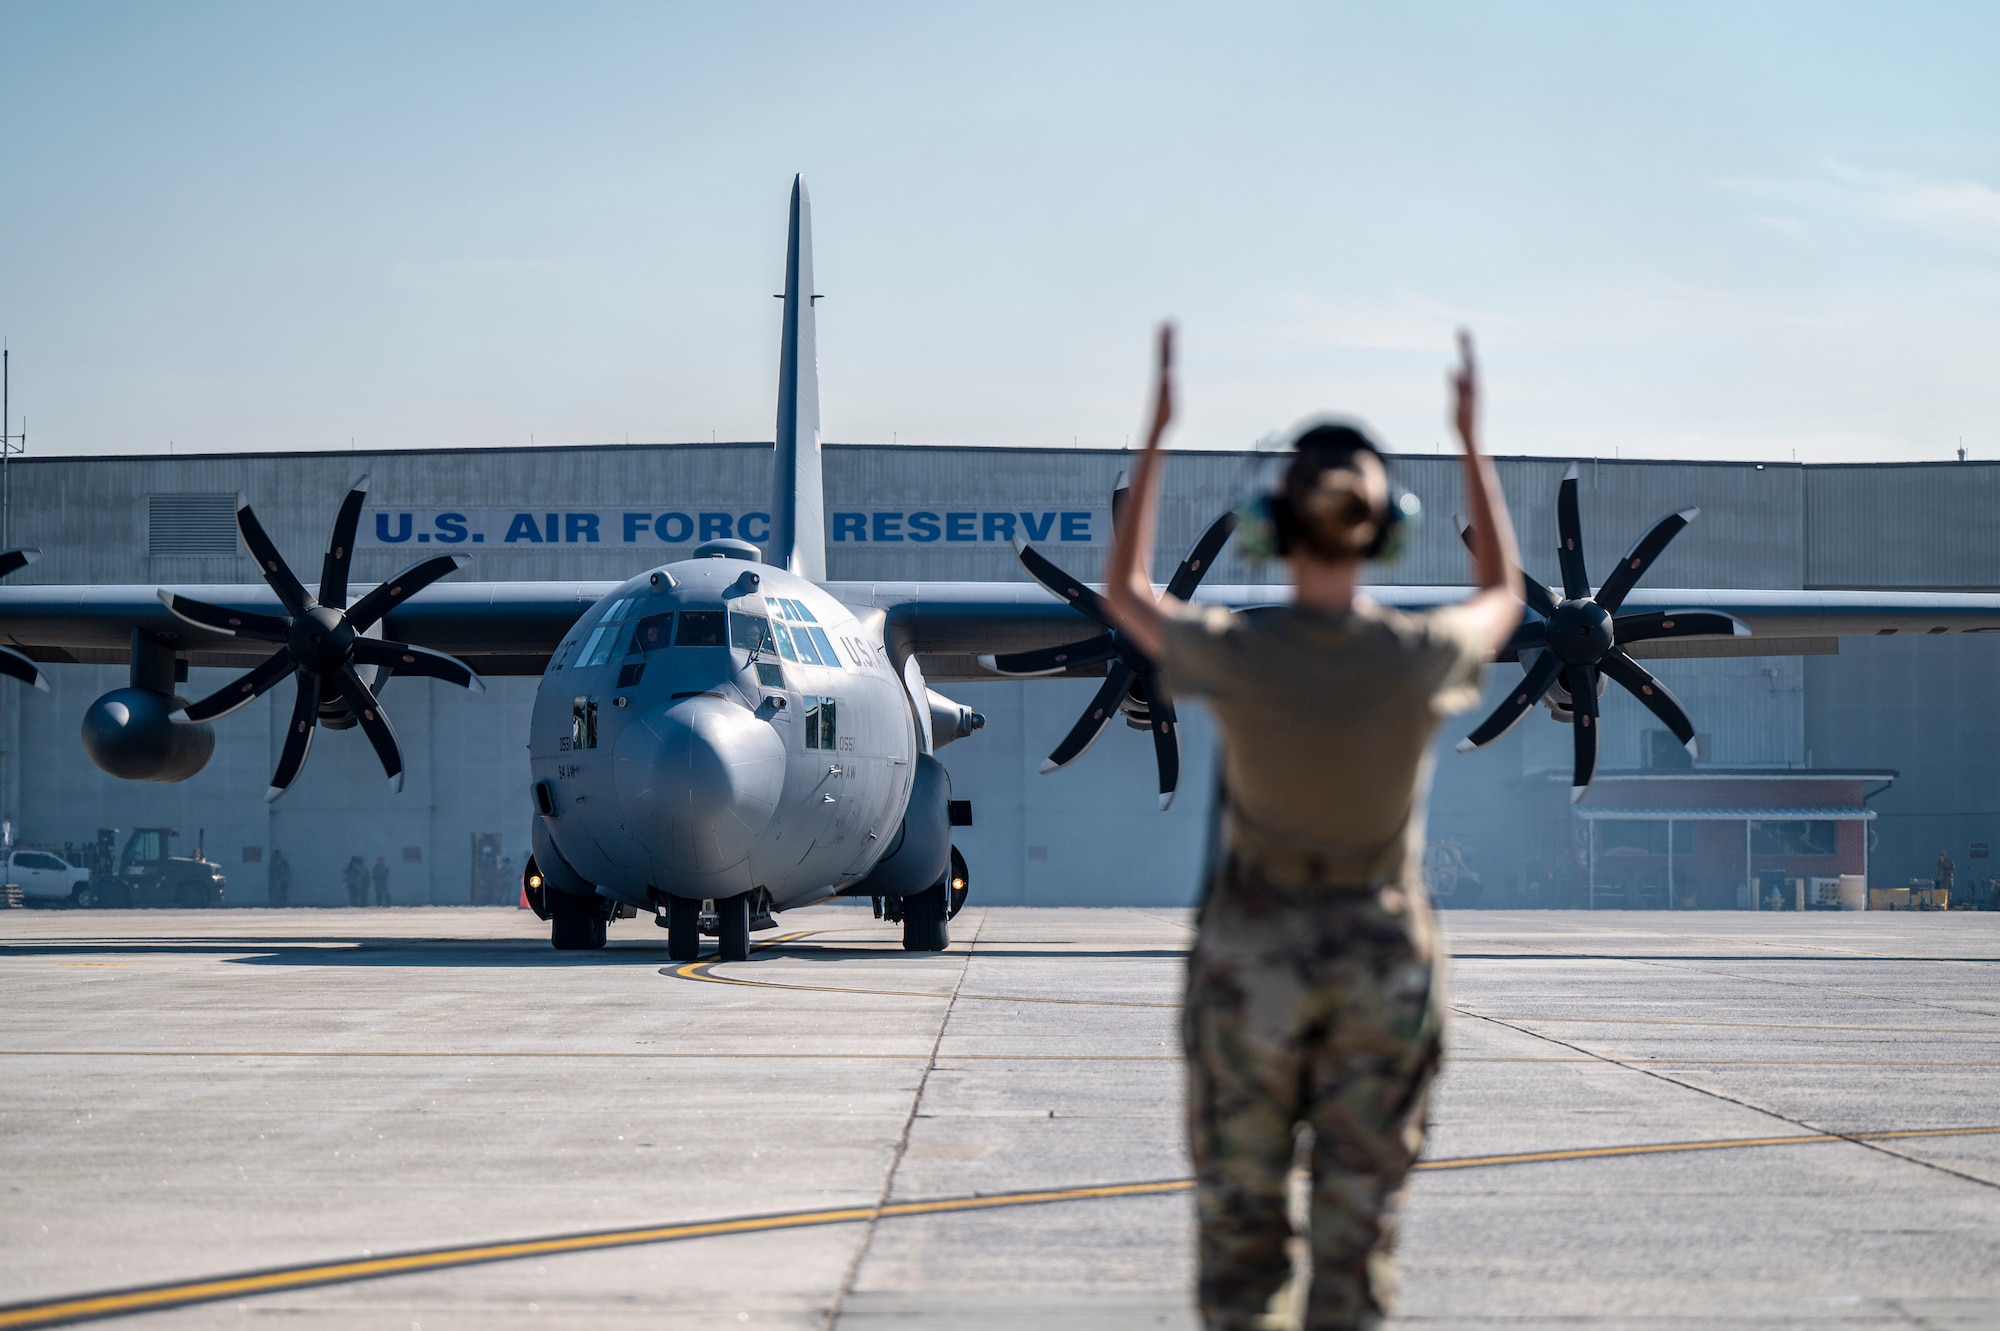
{"x": 732, "y": 927}
{"x": 683, "y": 928}
{"x": 924, "y": 927}
{"x": 576, "y": 924}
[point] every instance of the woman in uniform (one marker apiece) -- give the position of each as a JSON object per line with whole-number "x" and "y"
{"x": 1315, "y": 1003}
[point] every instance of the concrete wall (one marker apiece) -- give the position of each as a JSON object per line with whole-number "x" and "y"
{"x": 1091, "y": 833}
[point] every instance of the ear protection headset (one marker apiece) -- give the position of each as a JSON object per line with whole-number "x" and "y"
{"x": 1267, "y": 527}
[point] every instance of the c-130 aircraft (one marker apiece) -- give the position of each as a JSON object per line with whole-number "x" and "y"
{"x": 735, "y": 732}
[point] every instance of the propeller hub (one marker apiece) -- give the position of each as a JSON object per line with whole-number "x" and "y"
{"x": 1580, "y": 632}
{"x": 322, "y": 640}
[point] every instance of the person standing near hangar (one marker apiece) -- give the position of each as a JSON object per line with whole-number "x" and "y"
{"x": 1315, "y": 992}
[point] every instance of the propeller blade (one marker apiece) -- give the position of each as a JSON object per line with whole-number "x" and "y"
{"x": 298, "y": 736}
{"x": 1166, "y": 740}
{"x": 1677, "y": 624}
{"x": 1581, "y": 681}
{"x": 238, "y": 692}
{"x": 340, "y": 549}
{"x": 13, "y": 561}
{"x": 1064, "y": 586}
{"x": 1121, "y": 493}
{"x": 401, "y": 588}
{"x": 1053, "y": 660}
{"x": 1640, "y": 558}
{"x": 16, "y": 666}
{"x": 1532, "y": 633}
{"x": 1569, "y": 526}
{"x": 1640, "y": 683}
{"x": 374, "y": 723}
{"x": 221, "y": 619}
{"x": 1509, "y": 713}
{"x": 405, "y": 659}
{"x": 291, "y": 592}
{"x": 1196, "y": 565}
{"x": 1532, "y": 591}
{"x": 1091, "y": 724}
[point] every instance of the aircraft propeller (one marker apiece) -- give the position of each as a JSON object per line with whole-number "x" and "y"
{"x": 323, "y": 641}
{"x": 13, "y": 664}
{"x": 1580, "y": 639}
{"x": 1131, "y": 682}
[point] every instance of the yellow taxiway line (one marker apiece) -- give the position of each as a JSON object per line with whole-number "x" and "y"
{"x": 152, "y": 1298}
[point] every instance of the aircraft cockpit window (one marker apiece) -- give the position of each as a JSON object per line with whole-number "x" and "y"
{"x": 653, "y": 633}
{"x": 800, "y": 613}
{"x": 783, "y": 636}
{"x": 700, "y": 628}
{"x": 802, "y": 642}
{"x": 751, "y": 633}
{"x": 825, "y": 646}
{"x": 820, "y": 723}
{"x": 604, "y": 642}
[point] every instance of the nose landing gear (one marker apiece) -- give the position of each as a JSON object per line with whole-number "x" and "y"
{"x": 682, "y": 921}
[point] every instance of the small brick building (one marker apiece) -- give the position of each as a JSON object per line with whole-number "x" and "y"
{"x": 1697, "y": 839}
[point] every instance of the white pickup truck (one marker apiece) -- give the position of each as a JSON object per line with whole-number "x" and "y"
{"x": 47, "y": 879}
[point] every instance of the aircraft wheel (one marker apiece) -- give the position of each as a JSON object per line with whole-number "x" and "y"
{"x": 576, "y": 924}
{"x": 924, "y": 927}
{"x": 683, "y": 928}
{"x": 732, "y": 927}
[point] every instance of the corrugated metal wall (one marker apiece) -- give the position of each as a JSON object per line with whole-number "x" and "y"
{"x": 1088, "y": 834}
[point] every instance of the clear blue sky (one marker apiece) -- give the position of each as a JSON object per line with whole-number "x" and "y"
{"x": 1691, "y": 230}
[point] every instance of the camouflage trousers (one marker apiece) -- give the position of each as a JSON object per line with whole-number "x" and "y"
{"x": 1307, "y": 1008}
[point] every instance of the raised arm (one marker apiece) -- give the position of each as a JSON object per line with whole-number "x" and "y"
{"x": 1129, "y": 577}
{"x": 1495, "y": 558}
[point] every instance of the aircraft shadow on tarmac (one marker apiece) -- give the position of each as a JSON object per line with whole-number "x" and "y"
{"x": 475, "y": 954}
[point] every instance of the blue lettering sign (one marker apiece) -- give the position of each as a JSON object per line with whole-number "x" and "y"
{"x": 764, "y": 531}
{"x": 923, "y": 526}
{"x": 634, "y": 524}
{"x": 579, "y": 526}
{"x": 960, "y": 526}
{"x": 674, "y": 528}
{"x": 523, "y": 528}
{"x": 715, "y": 526}
{"x": 451, "y": 528}
{"x": 402, "y": 530}
{"x": 1036, "y": 533}
{"x": 999, "y": 526}
{"x": 1076, "y": 526}
{"x": 888, "y": 526}
{"x": 850, "y": 527}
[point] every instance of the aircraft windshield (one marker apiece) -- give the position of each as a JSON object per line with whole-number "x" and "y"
{"x": 751, "y": 633}
{"x": 700, "y": 628}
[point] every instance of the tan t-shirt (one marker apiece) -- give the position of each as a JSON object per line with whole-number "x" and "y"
{"x": 1327, "y": 720}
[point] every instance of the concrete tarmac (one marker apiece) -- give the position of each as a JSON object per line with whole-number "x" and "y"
{"x": 425, "y": 1118}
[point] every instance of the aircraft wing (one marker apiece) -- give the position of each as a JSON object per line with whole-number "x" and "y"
{"x": 950, "y": 624}
{"x": 511, "y": 628}
{"x": 497, "y": 628}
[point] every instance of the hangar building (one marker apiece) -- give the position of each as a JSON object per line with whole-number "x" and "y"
{"x": 1925, "y": 709}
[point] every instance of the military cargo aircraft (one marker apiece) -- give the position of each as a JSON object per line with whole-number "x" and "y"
{"x": 731, "y": 735}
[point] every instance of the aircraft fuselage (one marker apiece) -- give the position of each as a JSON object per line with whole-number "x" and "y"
{"x": 717, "y": 725}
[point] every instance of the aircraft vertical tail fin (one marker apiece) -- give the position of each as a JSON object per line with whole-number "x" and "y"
{"x": 798, "y": 499}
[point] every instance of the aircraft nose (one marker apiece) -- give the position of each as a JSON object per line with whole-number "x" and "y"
{"x": 698, "y": 781}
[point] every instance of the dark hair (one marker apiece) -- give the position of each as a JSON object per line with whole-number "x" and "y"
{"x": 1328, "y": 509}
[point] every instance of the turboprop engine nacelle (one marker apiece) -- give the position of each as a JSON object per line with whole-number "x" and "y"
{"x": 127, "y": 733}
